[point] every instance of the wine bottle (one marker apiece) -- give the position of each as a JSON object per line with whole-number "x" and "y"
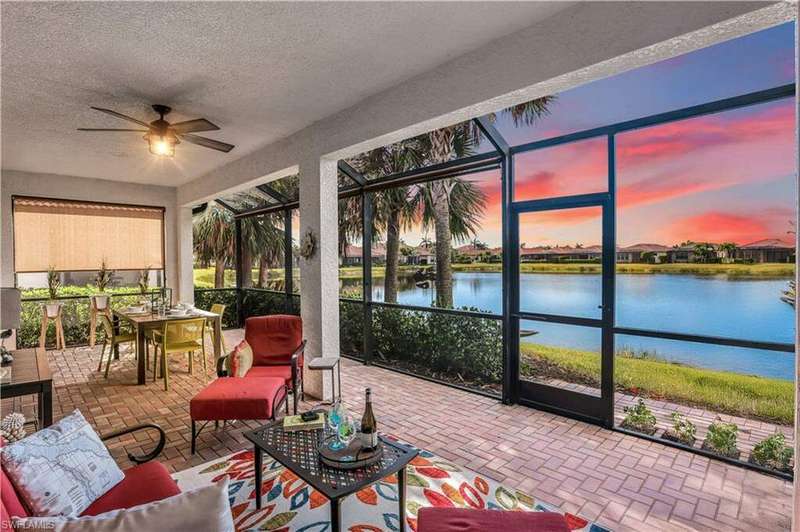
{"x": 369, "y": 428}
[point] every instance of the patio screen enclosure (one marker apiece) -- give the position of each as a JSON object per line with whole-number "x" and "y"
{"x": 482, "y": 347}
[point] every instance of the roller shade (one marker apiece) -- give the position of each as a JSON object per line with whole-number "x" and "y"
{"x": 78, "y": 236}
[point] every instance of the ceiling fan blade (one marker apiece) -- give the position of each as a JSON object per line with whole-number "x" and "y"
{"x": 103, "y": 129}
{"x": 190, "y": 126}
{"x": 207, "y": 143}
{"x": 122, "y": 116}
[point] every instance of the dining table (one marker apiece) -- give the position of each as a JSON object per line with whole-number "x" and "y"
{"x": 144, "y": 321}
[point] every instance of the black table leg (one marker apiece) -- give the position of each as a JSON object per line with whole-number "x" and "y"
{"x": 45, "y": 406}
{"x": 336, "y": 523}
{"x": 115, "y": 320}
{"x": 141, "y": 354}
{"x": 401, "y": 495}
{"x": 258, "y": 476}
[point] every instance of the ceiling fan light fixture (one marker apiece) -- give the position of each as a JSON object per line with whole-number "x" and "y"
{"x": 162, "y": 145}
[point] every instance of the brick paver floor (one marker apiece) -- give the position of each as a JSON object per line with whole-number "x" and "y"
{"x": 622, "y": 481}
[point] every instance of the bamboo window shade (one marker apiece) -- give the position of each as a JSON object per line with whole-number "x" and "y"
{"x": 79, "y": 236}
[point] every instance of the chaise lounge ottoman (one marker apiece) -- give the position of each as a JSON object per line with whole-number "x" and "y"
{"x": 237, "y": 398}
{"x": 441, "y": 519}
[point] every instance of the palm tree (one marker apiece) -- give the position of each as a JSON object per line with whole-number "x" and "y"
{"x": 729, "y": 250}
{"x": 449, "y": 143}
{"x": 214, "y": 239}
{"x": 394, "y": 209}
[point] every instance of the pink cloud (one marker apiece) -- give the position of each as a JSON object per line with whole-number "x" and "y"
{"x": 716, "y": 226}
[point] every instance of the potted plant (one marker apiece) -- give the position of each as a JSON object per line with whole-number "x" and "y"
{"x": 53, "y": 306}
{"x": 639, "y": 418}
{"x": 721, "y": 439}
{"x": 773, "y": 453}
{"x": 101, "y": 281}
{"x": 682, "y": 430}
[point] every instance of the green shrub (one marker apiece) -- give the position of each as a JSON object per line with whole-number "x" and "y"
{"x": 721, "y": 439}
{"x": 445, "y": 346}
{"x": 351, "y": 328}
{"x": 203, "y": 299}
{"x": 682, "y": 430}
{"x": 772, "y": 452}
{"x": 639, "y": 418}
{"x": 74, "y": 314}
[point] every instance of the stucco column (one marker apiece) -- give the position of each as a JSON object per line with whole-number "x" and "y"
{"x": 184, "y": 291}
{"x": 319, "y": 274}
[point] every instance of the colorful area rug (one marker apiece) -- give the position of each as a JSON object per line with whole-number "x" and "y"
{"x": 289, "y": 504}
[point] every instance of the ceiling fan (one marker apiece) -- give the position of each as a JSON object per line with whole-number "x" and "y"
{"x": 162, "y": 137}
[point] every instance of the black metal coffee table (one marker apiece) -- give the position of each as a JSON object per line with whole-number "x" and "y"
{"x": 297, "y": 451}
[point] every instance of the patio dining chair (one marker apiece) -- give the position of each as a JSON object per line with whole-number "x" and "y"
{"x": 216, "y": 308}
{"x": 179, "y": 336}
{"x": 112, "y": 340}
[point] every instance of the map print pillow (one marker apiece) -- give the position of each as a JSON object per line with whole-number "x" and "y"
{"x": 61, "y": 469}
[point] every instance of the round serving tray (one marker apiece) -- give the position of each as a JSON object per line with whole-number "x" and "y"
{"x": 350, "y": 457}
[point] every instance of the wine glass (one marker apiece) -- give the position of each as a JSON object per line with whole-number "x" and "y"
{"x": 335, "y": 417}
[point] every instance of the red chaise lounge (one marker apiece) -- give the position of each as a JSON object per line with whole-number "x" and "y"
{"x": 145, "y": 482}
{"x": 278, "y": 345}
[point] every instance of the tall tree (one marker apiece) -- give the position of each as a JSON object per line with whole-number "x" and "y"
{"x": 449, "y": 143}
{"x": 394, "y": 209}
{"x": 213, "y": 238}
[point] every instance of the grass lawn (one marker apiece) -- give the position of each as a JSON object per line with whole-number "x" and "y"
{"x": 720, "y": 391}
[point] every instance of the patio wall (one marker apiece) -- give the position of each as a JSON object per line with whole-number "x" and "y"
{"x": 79, "y": 188}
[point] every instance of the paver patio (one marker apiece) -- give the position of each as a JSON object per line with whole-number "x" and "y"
{"x": 621, "y": 481}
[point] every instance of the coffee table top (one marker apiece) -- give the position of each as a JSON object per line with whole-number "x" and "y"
{"x": 297, "y": 451}
{"x": 30, "y": 366}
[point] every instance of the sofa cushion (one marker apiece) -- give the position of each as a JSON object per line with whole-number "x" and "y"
{"x": 237, "y": 398}
{"x": 273, "y": 338}
{"x": 62, "y": 469}
{"x": 143, "y": 483}
{"x": 469, "y": 520}
{"x": 202, "y": 509}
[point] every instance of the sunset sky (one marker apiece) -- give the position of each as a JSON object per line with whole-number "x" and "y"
{"x": 723, "y": 177}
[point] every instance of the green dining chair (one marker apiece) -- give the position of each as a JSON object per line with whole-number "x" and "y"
{"x": 112, "y": 340}
{"x": 179, "y": 336}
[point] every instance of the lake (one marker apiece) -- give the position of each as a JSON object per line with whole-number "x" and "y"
{"x": 732, "y": 307}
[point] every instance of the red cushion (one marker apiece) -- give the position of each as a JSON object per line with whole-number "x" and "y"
{"x": 237, "y": 398}
{"x": 468, "y": 520}
{"x": 142, "y": 484}
{"x": 11, "y": 504}
{"x": 280, "y": 372}
{"x": 273, "y": 338}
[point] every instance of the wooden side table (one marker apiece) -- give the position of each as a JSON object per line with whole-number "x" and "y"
{"x": 30, "y": 374}
{"x": 329, "y": 364}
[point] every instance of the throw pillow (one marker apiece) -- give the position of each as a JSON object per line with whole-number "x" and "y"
{"x": 62, "y": 469}
{"x": 202, "y": 509}
{"x": 240, "y": 360}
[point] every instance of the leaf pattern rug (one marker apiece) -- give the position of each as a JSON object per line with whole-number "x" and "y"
{"x": 289, "y": 504}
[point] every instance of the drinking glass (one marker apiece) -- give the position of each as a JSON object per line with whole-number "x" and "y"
{"x": 347, "y": 430}
{"x": 335, "y": 417}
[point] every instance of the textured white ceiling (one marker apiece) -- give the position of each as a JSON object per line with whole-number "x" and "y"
{"x": 261, "y": 71}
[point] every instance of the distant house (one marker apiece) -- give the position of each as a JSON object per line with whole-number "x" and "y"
{"x": 643, "y": 253}
{"x": 681, "y": 254}
{"x": 560, "y": 253}
{"x": 767, "y": 250}
{"x": 423, "y": 256}
{"x": 353, "y": 254}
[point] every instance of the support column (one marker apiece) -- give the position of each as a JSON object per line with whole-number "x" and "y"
{"x": 319, "y": 274}
{"x": 185, "y": 257}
